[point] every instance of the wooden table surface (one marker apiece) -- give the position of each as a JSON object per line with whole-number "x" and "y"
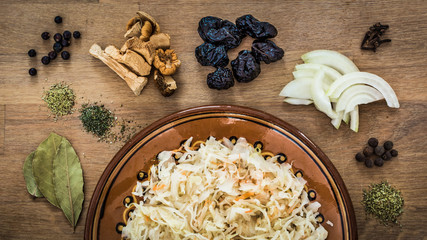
{"x": 302, "y": 26}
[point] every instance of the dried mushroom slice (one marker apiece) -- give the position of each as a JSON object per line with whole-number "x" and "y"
{"x": 147, "y": 17}
{"x": 134, "y": 31}
{"x": 146, "y": 31}
{"x": 135, "y": 83}
{"x": 146, "y": 49}
{"x": 167, "y": 61}
{"x": 131, "y": 59}
{"x": 161, "y": 40}
{"x": 132, "y": 22}
{"x": 166, "y": 84}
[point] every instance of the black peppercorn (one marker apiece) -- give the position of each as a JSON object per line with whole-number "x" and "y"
{"x": 57, "y": 37}
{"x": 52, "y": 55}
{"x": 394, "y": 153}
{"x": 388, "y": 145}
{"x": 45, "y": 36}
{"x": 65, "y": 43}
{"x": 32, "y": 71}
{"x": 386, "y": 156}
{"x": 360, "y": 157}
{"x": 373, "y": 142}
{"x": 57, "y": 47}
{"x": 369, "y": 163}
{"x": 379, "y": 162}
{"x": 76, "y": 34}
{"x": 58, "y": 19}
{"x": 32, "y": 53}
{"x": 379, "y": 150}
{"x": 368, "y": 151}
{"x": 66, "y": 34}
{"x": 45, "y": 60}
{"x": 65, "y": 55}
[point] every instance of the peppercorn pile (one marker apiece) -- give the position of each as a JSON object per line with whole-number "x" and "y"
{"x": 384, "y": 202}
{"x": 372, "y": 39}
{"x": 146, "y": 47}
{"x": 61, "y": 41}
{"x": 376, "y": 154}
{"x": 220, "y": 35}
{"x": 60, "y": 99}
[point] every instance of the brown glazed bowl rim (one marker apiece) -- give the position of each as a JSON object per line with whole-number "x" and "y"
{"x": 220, "y": 109}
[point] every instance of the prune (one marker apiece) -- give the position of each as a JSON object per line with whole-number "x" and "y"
{"x": 254, "y": 28}
{"x": 220, "y": 32}
{"x": 266, "y": 51}
{"x": 245, "y": 67}
{"x": 209, "y": 54}
{"x": 222, "y": 78}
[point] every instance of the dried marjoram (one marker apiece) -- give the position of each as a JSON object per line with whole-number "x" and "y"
{"x": 96, "y": 119}
{"x": 372, "y": 39}
{"x": 384, "y": 202}
{"x": 60, "y": 99}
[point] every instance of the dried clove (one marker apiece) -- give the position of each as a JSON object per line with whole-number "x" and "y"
{"x": 372, "y": 39}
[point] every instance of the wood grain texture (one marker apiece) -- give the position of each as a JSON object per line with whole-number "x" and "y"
{"x": 302, "y": 25}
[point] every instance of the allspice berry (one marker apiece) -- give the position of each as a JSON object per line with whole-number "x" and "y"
{"x": 373, "y": 142}
{"x": 386, "y": 156}
{"x": 388, "y": 145}
{"x": 379, "y": 162}
{"x": 368, "y": 151}
{"x": 360, "y": 157}
{"x": 369, "y": 163}
{"x": 379, "y": 150}
{"x": 394, "y": 153}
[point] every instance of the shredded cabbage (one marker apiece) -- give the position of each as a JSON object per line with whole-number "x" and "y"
{"x": 222, "y": 191}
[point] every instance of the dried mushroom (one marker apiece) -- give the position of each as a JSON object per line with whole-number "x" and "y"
{"x": 135, "y": 83}
{"x": 161, "y": 40}
{"x": 131, "y": 59}
{"x": 146, "y": 49}
{"x": 166, "y": 61}
{"x": 143, "y": 16}
{"x": 166, "y": 84}
{"x": 146, "y": 31}
{"x": 135, "y": 30}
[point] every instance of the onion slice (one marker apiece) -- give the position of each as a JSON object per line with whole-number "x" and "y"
{"x": 361, "y": 99}
{"x": 298, "y": 101}
{"x": 321, "y": 101}
{"x": 332, "y": 59}
{"x": 354, "y": 122}
{"x": 298, "y": 88}
{"x": 347, "y": 80}
{"x": 329, "y": 72}
{"x": 353, "y": 91}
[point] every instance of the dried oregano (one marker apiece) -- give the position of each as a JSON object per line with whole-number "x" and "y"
{"x": 384, "y": 202}
{"x": 60, "y": 99}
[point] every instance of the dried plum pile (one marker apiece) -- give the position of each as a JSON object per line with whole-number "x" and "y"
{"x": 221, "y": 35}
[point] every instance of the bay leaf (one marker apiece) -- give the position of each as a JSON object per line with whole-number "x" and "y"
{"x": 29, "y": 177}
{"x": 43, "y": 166}
{"x": 68, "y": 181}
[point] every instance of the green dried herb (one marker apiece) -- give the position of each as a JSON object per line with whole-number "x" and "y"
{"x": 384, "y": 202}
{"x": 96, "y": 119}
{"x": 60, "y": 99}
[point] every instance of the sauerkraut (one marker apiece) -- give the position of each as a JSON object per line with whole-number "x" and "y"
{"x": 222, "y": 191}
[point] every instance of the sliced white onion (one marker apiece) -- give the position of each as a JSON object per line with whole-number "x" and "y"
{"x": 336, "y": 122}
{"x": 298, "y": 88}
{"x": 373, "y": 80}
{"x": 329, "y": 72}
{"x": 353, "y": 91}
{"x": 321, "y": 101}
{"x": 361, "y": 99}
{"x": 298, "y": 101}
{"x": 303, "y": 74}
{"x": 332, "y": 59}
{"x": 346, "y": 117}
{"x": 354, "y": 122}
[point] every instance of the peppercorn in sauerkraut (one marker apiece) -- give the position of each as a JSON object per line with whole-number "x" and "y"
{"x": 222, "y": 191}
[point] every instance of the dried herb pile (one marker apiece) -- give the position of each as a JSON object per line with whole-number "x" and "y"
{"x": 60, "y": 99}
{"x": 53, "y": 171}
{"x": 102, "y": 123}
{"x": 384, "y": 202}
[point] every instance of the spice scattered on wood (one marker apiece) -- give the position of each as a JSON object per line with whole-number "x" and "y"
{"x": 96, "y": 119}
{"x": 384, "y": 202}
{"x": 372, "y": 39}
{"x": 60, "y": 99}
{"x": 103, "y": 123}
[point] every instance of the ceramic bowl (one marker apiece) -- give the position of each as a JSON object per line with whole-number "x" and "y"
{"x": 106, "y": 208}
